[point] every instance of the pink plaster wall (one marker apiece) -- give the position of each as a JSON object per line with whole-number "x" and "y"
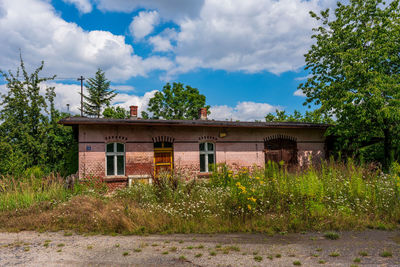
{"x": 241, "y": 146}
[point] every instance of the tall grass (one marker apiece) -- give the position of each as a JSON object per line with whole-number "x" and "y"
{"x": 26, "y": 191}
{"x": 271, "y": 199}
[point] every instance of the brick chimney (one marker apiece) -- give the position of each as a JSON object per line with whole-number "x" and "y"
{"x": 202, "y": 113}
{"x": 133, "y": 112}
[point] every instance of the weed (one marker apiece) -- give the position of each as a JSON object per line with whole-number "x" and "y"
{"x": 137, "y": 250}
{"x": 67, "y": 234}
{"x": 218, "y": 246}
{"x": 117, "y": 245}
{"x": 357, "y": 260}
{"x": 255, "y": 253}
{"x": 200, "y": 247}
{"x": 189, "y": 247}
{"x": 363, "y": 253}
{"x": 319, "y": 249}
{"x": 331, "y": 235}
{"x": 90, "y": 247}
{"x": 258, "y": 258}
{"x": 154, "y": 245}
{"x": 334, "y": 254}
{"x": 125, "y": 253}
{"x": 60, "y": 245}
{"x": 278, "y": 255}
{"x": 173, "y": 249}
{"x": 213, "y": 253}
{"x": 321, "y": 262}
{"x": 167, "y": 241}
{"x": 165, "y": 253}
{"x": 59, "y": 250}
{"x": 26, "y": 249}
{"x": 315, "y": 255}
{"x": 182, "y": 257}
{"x": 270, "y": 257}
{"x": 386, "y": 254}
{"x": 198, "y": 255}
{"x": 180, "y": 241}
{"x": 297, "y": 263}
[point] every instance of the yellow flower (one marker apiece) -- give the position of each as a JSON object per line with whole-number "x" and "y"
{"x": 252, "y": 199}
{"x": 261, "y": 182}
{"x": 249, "y": 207}
{"x": 238, "y": 184}
{"x": 258, "y": 178}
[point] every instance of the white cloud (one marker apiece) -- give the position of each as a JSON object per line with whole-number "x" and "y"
{"x": 84, "y": 6}
{"x": 143, "y": 24}
{"x": 243, "y": 111}
{"x": 125, "y": 100}
{"x": 123, "y": 87}
{"x": 299, "y": 92}
{"x": 250, "y": 36}
{"x": 162, "y": 41}
{"x": 169, "y": 9}
{"x": 67, "y": 49}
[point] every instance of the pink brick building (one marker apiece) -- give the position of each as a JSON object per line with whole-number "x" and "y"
{"x": 122, "y": 150}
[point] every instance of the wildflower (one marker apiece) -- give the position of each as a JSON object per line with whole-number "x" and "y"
{"x": 252, "y": 199}
{"x": 261, "y": 182}
{"x": 257, "y": 178}
{"x": 249, "y": 207}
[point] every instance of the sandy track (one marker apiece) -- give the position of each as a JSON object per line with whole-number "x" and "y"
{"x": 29, "y": 249}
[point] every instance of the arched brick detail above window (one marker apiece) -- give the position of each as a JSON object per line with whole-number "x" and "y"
{"x": 163, "y": 138}
{"x": 205, "y": 138}
{"x": 116, "y": 138}
{"x": 280, "y": 136}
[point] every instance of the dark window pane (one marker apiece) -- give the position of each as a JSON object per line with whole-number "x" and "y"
{"x": 158, "y": 145}
{"x": 120, "y": 165}
{"x": 211, "y": 162}
{"x": 202, "y": 146}
{"x": 110, "y": 165}
{"x": 167, "y": 144}
{"x": 210, "y": 146}
{"x": 202, "y": 163}
{"x": 110, "y": 147}
{"x": 120, "y": 147}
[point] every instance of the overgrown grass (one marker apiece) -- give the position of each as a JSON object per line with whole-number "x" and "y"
{"x": 330, "y": 197}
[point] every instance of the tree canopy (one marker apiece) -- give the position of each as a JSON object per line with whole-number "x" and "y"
{"x": 99, "y": 94}
{"x": 29, "y": 133}
{"x": 115, "y": 113}
{"x": 177, "y": 102}
{"x": 309, "y": 116}
{"x": 354, "y": 70}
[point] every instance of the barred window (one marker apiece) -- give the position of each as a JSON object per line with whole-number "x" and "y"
{"x": 207, "y": 157}
{"x": 115, "y": 159}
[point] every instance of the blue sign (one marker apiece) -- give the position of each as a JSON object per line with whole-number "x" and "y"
{"x": 88, "y": 148}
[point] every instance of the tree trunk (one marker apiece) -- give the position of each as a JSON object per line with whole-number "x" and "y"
{"x": 387, "y": 145}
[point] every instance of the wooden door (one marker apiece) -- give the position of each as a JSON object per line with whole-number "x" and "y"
{"x": 163, "y": 160}
{"x": 281, "y": 149}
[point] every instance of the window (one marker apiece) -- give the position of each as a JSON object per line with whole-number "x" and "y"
{"x": 207, "y": 157}
{"x": 115, "y": 159}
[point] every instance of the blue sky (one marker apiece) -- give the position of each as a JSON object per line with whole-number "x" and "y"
{"x": 245, "y": 56}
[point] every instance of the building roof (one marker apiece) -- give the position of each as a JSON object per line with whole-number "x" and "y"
{"x": 71, "y": 121}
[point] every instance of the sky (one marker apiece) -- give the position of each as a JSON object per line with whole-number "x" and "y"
{"x": 246, "y": 57}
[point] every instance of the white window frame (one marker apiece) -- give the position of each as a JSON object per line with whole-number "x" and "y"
{"x": 115, "y": 154}
{"x": 206, "y": 154}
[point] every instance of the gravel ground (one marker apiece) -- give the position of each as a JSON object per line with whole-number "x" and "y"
{"x": 309, "y": 249}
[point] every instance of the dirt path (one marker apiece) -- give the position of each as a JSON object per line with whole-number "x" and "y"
{"x": 310, "y": 249}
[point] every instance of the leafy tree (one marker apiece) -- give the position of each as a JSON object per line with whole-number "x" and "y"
{"x": 355, "y": 72}
{"x": 177, "y": 102}
{"x": 99, "y": 94}
{"x": 29, "y": 133}
{"x": 309, "y": 116}
{"x": 115, "y": 113}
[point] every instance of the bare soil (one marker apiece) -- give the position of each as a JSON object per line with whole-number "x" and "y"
{"x": 309, "y": 249}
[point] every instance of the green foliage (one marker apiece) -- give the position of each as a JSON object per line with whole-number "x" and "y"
{"x": 176, "y": 103}
{"x": 309, "y": 116}
{"x": 355, "y": 74}
{"x": 99, "y": 94}
{"x": 115, "y": 113}
{"x": 29, "y": 133}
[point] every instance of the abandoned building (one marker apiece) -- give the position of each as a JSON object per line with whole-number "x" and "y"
{"x": 123, "y": 150}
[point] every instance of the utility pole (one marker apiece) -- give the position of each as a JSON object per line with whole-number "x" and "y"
{"x": 81, "y": 79}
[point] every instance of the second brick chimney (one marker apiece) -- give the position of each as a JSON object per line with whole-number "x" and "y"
{"x": 202, "y": 113}
{"x": 133, "y": 112}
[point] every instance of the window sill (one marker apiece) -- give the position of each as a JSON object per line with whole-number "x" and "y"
{"x": 113, "y": 178}
{"x": 204, "y": 175}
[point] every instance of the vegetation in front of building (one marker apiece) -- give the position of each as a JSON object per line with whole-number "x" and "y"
{"x": 335, "y": 196}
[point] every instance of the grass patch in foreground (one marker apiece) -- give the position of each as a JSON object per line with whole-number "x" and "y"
{"x": 268, "y": 200}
